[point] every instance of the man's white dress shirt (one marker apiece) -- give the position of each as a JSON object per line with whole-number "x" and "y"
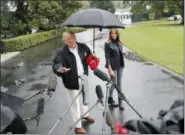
{"x": 80, "y": 68}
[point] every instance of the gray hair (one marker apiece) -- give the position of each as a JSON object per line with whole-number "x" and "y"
{"x": 67, "y": 33}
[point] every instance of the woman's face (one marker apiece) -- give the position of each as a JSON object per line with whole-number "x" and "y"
{"x": 113, "y": 35}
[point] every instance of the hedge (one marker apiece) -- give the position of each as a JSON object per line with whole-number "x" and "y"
{"x": 21, "y": 43}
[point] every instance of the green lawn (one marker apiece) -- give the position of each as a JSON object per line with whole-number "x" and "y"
{"x": 159, "y": 41}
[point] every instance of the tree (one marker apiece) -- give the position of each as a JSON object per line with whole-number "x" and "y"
{"x": 46, "y": 14}
{"x": 157, "y": 8}
{"x": 123, "y": 4}
{"x": 106, "y": 5}
{"x": 153, "y": 8}
{"x": 4, "y": 6}
{"x": 118, "y": 4}
{"x": 127, "y": 3}
{"x": 178, "y": 6}
{"x": 84, "y": 4}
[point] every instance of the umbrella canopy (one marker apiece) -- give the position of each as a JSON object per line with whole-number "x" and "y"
{"x": 93, "y": 18}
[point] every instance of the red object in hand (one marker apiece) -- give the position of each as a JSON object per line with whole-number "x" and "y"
{"x": 94, "y": 63}
{"x": 88, "y": 59}
{"x": 120, "y": 130}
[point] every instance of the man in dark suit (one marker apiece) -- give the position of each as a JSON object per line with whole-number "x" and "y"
{"x": 71, "y": 64}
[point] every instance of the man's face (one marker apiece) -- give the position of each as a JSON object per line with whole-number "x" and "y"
{"x": 69, "y": 40}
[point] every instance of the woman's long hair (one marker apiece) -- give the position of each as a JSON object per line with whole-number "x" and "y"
{"x": 118, "y": 41}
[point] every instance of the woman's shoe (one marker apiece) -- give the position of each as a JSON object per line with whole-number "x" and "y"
{"x": 111, "y": 102}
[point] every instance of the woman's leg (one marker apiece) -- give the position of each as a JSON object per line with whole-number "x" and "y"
{"x": 114, "y": 80}
{"x": 119, "y": 83}
{"x": 110, "y": 99}
{"x": 119, "y": 78}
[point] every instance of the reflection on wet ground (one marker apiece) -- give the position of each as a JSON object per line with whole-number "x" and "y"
{"x": 38, "y": 86}
{"x": 30, "y": 65}
{"x": 46, "y": 63}
{"x": 148, "y": 63}
{"x": 173, "y": 77}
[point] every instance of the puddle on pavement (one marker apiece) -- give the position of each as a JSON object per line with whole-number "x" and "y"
{"x": 164, "y": 71}
{"x": 178, "y": 79}
{"x": 27, "y": 80}
{"x": 101, "y": 36}
{"x": 159, "y": 79}
{"x": 4, "y": 89}
{"x": 11, "y": 67}
{"x": 11, "y": 89}
{"x": 173, "y": 77}
{"x": 38, "y": 86}
{"x": 46, "y": 63}
{"x": 148, "y": 63}
{"x": 43, "y": 76}
{"x": 20, "y": 81}
{"x": 32, "y": 64}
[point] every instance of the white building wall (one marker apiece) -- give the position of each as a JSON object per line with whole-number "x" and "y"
{"x": 125, "y": 18}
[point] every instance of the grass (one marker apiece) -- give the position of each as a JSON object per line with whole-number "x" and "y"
{"x": 159, "y": 41}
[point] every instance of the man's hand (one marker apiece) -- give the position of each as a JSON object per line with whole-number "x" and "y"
{"x": 63, "y": 69}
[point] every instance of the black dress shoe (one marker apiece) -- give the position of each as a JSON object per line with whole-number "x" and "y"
{"x": 111, "y": 102}
{"x": 121, "y": 107}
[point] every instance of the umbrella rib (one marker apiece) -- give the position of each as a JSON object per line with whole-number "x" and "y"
{"x": 79, "y": 17}
{"x": 102, "y": 17}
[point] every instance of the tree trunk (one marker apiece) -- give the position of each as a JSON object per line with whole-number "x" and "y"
{"x": 182, "y": 13}
{"x": 182, "y": 22}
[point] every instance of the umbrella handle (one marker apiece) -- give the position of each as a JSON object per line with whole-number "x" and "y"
{"x": 94, "y": 53}
{"x": 93, "y": 41}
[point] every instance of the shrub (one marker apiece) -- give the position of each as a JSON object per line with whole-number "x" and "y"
{"x": 24, "y": 42}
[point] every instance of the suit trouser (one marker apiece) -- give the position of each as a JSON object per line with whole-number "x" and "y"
{"x": 78, "y": 108}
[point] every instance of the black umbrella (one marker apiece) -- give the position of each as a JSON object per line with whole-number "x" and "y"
{"x": 93, "y": 18}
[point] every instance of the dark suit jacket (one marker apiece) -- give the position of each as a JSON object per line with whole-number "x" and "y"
{"x": 112, "y": 55}
{"x": 66, "y": 58}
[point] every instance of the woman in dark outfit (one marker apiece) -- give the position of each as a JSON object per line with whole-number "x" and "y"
{"x": 114, "y": 63}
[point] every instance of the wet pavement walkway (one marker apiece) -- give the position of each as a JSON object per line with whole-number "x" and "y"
{"x": 7, "y": 56}
{"x": 147, "y": 87}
